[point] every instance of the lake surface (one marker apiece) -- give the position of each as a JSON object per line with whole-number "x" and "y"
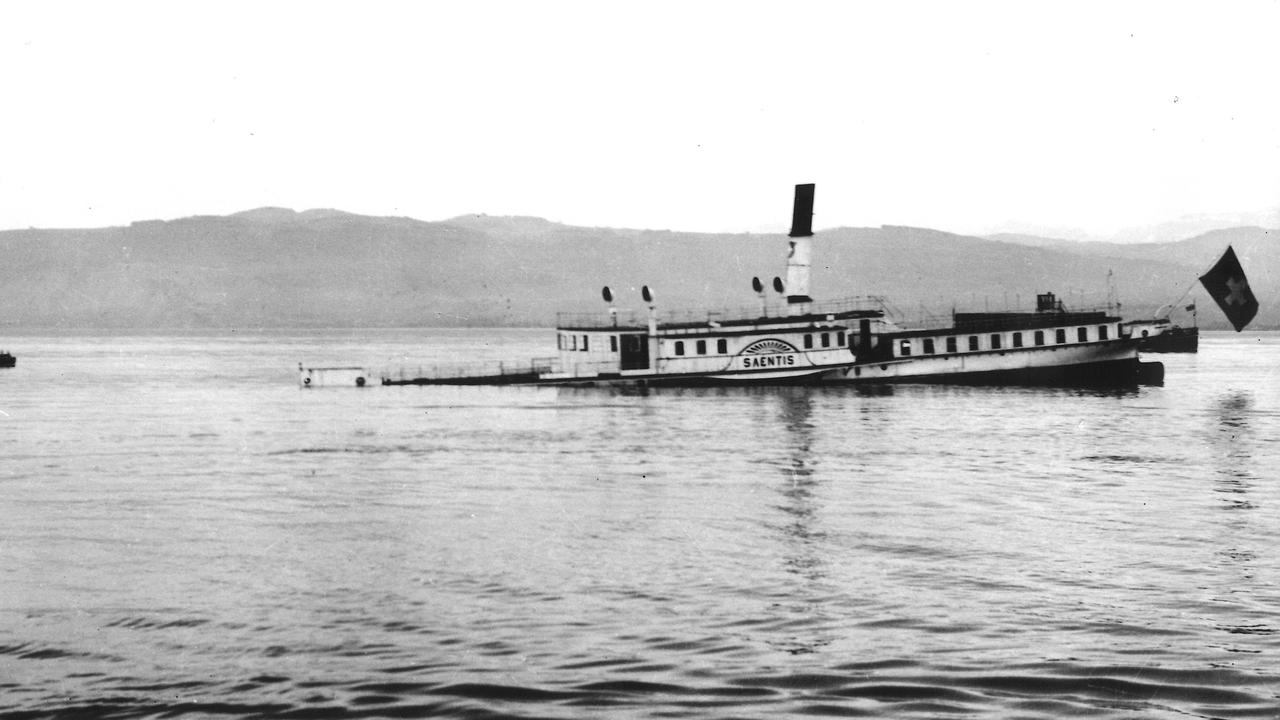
{"x": 185, "y": 532}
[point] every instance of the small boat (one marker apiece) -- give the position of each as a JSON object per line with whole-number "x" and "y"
{"x": 1162, "y": 335}
{"x": 1176, "y": 339}
{"x": 1050, "y": 346}
{"x": 7, "y": 360}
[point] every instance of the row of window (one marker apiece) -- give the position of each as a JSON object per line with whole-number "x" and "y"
{"x": 996, "y": 340}
{"x": 567, "y": 341}
{"x": 700, "y": 346}
{"x": 826, "y": 340}
{"x": 722, "y": 347}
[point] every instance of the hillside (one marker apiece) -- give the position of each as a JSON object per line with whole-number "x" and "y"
{"x": 273, "y": 267}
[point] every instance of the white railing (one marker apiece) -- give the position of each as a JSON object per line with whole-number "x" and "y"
{"x": 461, "y": 371}
{"x": 639, "y": 318}
{"x": 926, "y": 318}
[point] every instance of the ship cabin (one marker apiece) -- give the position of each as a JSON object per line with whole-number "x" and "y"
{"x": 1048, "y": 328}
{"x": 718, "y": 348}
{"x": 803, "y": 340}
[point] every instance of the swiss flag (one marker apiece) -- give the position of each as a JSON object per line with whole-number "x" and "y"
{"x": 1227, "y": 285}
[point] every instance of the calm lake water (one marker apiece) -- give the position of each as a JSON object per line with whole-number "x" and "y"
{"x": 185, "y": 532}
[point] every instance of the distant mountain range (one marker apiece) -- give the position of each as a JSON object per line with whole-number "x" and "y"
{"x": 276, "y": 268}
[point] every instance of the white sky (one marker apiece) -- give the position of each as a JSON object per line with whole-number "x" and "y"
{"x": 962, "y": 116}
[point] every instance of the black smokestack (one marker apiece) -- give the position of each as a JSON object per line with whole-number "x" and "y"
{"x": 802, "y": 215}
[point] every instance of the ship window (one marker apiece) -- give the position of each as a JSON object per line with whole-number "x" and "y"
{"x": 808, "y": 341}
{"x": 1082, "y": 334}
{"x": 826, "y": 339}
{"x": 1039, "y": 337}
{"x": 559, "y": 341}
{"x": 995, "y": 341}
{"x": 573, "y": 342}
{"x": 1060, "y": 336}
{"x": 1017, "y": 339}
{"x": 679, "y": 347}
{"x": 1102, "y": 332}
{"x": 702, "y": 347}
{"x": 951, "y": 344}
{"x": 840, "y": 339}
{"x": 613, "y": 343}
{"x": 904, "y": 349}
{"x": 973, "y": 343}
{"x": 928, "y": 346}
{"x": 584, "y": 343}
{"x": 722, "y": 346}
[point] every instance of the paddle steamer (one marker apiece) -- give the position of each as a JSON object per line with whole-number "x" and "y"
{"x": 849, "y": 341}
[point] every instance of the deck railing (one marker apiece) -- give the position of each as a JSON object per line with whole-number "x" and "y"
{"x": 640, "y": 318}
{"x": 926, "y": 318}
{"x": 457, "y": 371}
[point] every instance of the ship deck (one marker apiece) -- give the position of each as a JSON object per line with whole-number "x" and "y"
{"x": 762, "y": 316}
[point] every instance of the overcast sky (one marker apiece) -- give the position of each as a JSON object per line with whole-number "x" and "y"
{"x": 1072, "y": 117}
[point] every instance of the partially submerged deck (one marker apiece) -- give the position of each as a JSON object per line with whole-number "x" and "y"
{"x": 476, "y": 373}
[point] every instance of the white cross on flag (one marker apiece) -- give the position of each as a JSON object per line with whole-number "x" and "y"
{"x": 1226, "y": 284}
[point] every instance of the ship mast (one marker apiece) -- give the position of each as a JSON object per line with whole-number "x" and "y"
{"x": 798, "y": 260}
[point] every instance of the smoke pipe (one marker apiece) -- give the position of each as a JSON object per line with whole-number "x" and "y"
{"x": 798, "y": 260}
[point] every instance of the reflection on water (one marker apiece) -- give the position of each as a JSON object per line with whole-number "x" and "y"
{"x": 1235, "y": 471}
{"x": 798, "y": 487}
{"x": 1237, "y": 554}
{"x": 803, "y": 553}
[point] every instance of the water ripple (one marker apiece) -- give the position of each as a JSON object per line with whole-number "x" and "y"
{"x": 179, "y": 546}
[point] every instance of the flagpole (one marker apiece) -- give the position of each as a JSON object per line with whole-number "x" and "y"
{"x": 1177, "y": 302}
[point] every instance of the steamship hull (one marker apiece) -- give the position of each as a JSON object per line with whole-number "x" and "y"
{"x": 1104, "y": 364}
{"x": 1051, "y": 346}
{"x": 809, "y": 376}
